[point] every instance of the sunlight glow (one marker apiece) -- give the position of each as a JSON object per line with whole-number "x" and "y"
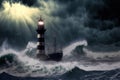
{"x": 19, "y": 18}
{"x": 18, "y": 10}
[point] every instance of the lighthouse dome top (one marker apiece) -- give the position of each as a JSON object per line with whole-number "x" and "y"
{"x": 40, "y": 22}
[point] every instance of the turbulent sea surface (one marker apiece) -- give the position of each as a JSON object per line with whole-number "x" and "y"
{"x": 23, "y": 65}
{"x": 74, "y": 74}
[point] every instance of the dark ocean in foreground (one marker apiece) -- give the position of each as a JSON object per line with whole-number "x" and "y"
{"x": 74, "y": 74}
{"x": 22, "y": 65}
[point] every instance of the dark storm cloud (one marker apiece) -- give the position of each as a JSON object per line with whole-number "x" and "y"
{"x": 108, "y": 13}
{"x": 1, "y": 1}
{"x": 29, "y": 2}
{"x": 111, "y": 10}
{"x": 72, "y": 20}
{"x": 100, "y": 23}
{"x": 104, "y": 21}
{"x": 26, "y": 2}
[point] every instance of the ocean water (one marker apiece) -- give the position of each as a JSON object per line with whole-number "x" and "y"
{"x": 23, "y": 65}
{"x": 74, "y": 74}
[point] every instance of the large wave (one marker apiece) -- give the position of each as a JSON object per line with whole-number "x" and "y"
{"x": 24, "y": 63}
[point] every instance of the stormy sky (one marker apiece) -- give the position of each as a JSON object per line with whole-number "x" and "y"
{"x": 97, "y": 21}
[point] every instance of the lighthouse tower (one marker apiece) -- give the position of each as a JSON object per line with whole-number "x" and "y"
{"x": 41, "y": 41}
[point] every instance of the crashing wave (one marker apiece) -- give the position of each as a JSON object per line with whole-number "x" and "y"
{"x": 24, "y": 63}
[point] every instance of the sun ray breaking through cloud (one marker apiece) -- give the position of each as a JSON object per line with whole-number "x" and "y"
{"x": 18, "y": 18}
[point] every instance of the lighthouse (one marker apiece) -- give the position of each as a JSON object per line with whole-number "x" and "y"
{"x": 41, "y": 40}
{"x": 41, "y": 55}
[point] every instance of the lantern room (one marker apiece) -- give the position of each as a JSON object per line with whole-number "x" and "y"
{"x": 40, "y": 22}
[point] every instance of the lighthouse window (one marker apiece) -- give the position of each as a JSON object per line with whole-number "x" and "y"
{"x": 38, "y": 36}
